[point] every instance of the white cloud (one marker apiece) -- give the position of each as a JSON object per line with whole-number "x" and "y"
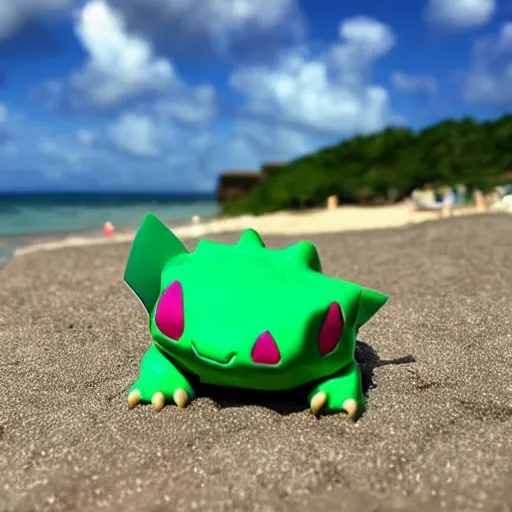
{"x": 460, "y": 14}
{"x": 365, "y": 37}
{"x": 189, "y": 105}
{"x": 364, "y": 40}
{"x": 14, "y": 14}
{"x": 225, "y": 16}
{"x": 121, "y": 67}
{"x": 137, "y": 135}
{"x": 216, "y": 16}
{"x": 122, "y": 70}
{"x": 298, "y": 103}
{"x": 332, "y": 93}
{"x": 414, "y": 84}
{"x": 489, "y": 81}
{"x": 56, "y": 150}
{"x": 253, "y": 142}
{"x": 217, "y": 24}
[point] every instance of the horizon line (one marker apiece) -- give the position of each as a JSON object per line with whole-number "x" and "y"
{"x": 21, "y": 192}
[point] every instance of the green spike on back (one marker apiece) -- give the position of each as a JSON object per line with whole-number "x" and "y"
{"x": 246, "y": 316}
{"x": 370, "y": 302}
{"x": 249, "y": 238}
{"x": 153, "y": 247}
{"x": 303, "y": 253}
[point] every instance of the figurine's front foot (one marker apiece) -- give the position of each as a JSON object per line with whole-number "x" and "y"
{"x": 340, "y": 392}
{"x": 159, "y": 383}
{"x": 158, "y": 398}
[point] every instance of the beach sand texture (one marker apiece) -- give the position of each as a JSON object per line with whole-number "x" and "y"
{"x": 437, "y": 432}
{"x": 345, "y": 218}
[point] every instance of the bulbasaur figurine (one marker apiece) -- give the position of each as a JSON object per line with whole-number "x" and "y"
{"x": 242, "y": 315}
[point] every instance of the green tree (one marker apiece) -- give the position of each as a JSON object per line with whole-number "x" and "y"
{"x": 387, "y": 166}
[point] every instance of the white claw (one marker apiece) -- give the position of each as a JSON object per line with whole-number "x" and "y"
{"x": 133, "y": 398}
{"x": 317, "y": 402}
{"x": 350, "y": 406}
{"x": 180, "y": 397}
{"x": 158, "y": 401}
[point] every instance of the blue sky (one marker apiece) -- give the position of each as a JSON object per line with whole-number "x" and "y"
{"x": 165, "y": 94}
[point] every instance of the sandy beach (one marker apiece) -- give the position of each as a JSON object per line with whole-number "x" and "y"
{"x": 437, "y": 362}
{"x": 345, "y": 218}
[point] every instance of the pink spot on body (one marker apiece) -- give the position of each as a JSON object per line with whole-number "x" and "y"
{"x": 265, "y": 350}
{"x": 331, "y": 330}
{"x": 170, "y": 316}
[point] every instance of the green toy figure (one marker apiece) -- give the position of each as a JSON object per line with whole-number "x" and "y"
{"x": 245, "y": 316}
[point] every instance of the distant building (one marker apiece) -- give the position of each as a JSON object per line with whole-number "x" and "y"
{"x": 234, "y": 184}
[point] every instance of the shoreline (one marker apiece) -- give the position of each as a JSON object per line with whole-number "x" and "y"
{"x": 44, "y": 237}
{"x": 343, "y": 218}
{"x": 20, "y": 242}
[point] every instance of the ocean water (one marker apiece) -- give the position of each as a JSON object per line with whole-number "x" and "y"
{"x": 31, "y": 218}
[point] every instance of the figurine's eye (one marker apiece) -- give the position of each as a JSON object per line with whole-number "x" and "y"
{"x": 265, "y": 350}
{"x": 331, "y": 330}
{"x": 169, "y": 317}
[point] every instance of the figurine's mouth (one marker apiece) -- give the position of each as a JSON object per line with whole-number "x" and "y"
{"x": 210, "y": 360}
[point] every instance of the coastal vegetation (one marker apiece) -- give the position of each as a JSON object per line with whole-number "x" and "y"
{"x": 386, "y": 167}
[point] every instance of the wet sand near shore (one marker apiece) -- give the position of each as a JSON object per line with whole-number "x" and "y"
{"x": 437, "y": 362}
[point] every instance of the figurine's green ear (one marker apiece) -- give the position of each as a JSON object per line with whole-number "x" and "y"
{"x": 370, "y": 301}
{"x": 153, "y": 246}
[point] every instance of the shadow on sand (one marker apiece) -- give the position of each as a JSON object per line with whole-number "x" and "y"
{"x": 288, "y": 402}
